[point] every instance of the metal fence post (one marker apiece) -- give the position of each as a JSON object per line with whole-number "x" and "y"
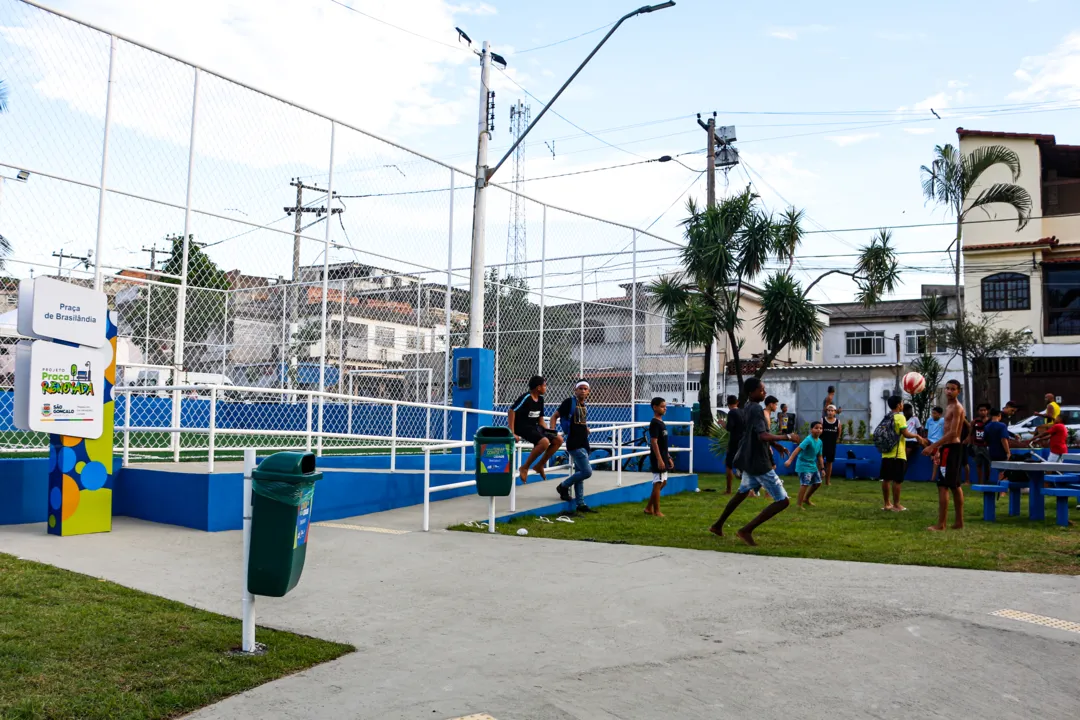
{"x": 393, "y": 436}
{"x": 498, "y": 334}
{"x": 418, "y": 347}
{"x": 127, "y": 429}
{"x": 464, "y": 428}
{"x": 307, "y": 446}
{"x": 690, "y": 467}
{"x": 427, "y": 489}
{"x": 326, "y": 280}
{"x": 341, "y": 342}
{"x": 633, "y": 328}
{"x": 181, "y": 301}
{"x": 225, "y": 335}
{"x": 618, "y": 455}
{"x": 247, "y": 643}
{"x": 104, "y": 166}
{"x": 212, "y": 432}
{"x": 581, "y": 323}
{"x": 543, "y": 286}
{"x": 448, "y": 296}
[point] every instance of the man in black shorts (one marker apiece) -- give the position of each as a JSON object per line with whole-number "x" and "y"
{"x": 734, "y": 426}
{"x": 952, "y": 453}
{"x": 526, "y": 418}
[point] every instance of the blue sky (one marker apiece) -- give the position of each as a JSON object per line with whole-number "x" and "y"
{"x": 831, "y": 102}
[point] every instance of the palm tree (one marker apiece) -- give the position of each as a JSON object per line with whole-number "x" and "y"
{"x": 932, "y": 310}
{"x": 949, "y": 181}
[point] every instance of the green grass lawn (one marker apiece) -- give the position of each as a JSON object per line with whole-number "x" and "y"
{"x": 847, "y": 523}
{"x": 73, "y": 646}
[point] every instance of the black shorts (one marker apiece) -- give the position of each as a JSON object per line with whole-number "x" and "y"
{"x": 828, "y": 453}
{"x": 893, "y": 469}
{"x": 536, "y": 433}
{"x": 729, "y": 458}
{"x": 952, "y": 458}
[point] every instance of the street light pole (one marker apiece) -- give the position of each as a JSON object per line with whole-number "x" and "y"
{"x": 484, "y": 174}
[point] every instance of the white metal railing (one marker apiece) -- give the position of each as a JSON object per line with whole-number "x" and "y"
{"x": 615, "y": 446}
{"x": 312, "y": 434}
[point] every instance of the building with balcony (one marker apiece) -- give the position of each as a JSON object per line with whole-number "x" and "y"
{"x": 1029, "y": 279}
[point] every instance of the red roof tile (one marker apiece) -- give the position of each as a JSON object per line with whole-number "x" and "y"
{"x": 963, "y": 133}
{"x": 1051, "y": 241}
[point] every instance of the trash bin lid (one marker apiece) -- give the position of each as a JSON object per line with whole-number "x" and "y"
{"x": 295, "y": 467}
{"x": 492, "y": 432}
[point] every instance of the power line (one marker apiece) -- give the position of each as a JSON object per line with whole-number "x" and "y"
{"x": 398, "y": 27}
{"x": 565, "y": 40}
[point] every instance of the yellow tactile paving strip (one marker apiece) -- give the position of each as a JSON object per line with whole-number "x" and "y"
{"x": 1049, "y": 622}
{"x": 362, "y": 528}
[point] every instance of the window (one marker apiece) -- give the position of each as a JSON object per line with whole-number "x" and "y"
{"x": 1062, "y": 284}
{"x": 915, "y": 341}
{"x": 384, "y": 337}
{"x": 1006, "y": 291}
{"x": 865, "y": 342}
{"x": 413, "y": 341}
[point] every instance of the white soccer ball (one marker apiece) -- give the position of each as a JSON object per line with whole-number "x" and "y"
{"x": 522, "y": 531}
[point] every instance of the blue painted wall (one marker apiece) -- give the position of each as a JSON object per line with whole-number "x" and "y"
{"x": 24, "y": 490}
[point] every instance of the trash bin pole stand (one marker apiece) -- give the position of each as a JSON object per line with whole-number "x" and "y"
{"x": 491, "y": 514}
{"x": 248, "y": 603}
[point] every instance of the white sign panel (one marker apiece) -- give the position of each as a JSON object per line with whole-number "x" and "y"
{"x": 67, "y": 390}
{"x": 67, "y": 312}
{"x": 25, "y": 313}
{"x": 22, "y": 385}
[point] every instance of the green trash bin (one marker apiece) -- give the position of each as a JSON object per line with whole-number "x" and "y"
{"x": 494, "y": 448}
{"x": 282, "y": 489}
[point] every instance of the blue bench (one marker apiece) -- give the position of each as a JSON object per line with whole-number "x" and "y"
{"x": 1062, "y": 494}
{"x": 990, "y": 496}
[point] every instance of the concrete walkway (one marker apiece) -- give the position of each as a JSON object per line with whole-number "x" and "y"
{"x": 451, "y": 624}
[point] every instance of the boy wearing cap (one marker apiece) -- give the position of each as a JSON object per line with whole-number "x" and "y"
{"x": 572, "y": 420}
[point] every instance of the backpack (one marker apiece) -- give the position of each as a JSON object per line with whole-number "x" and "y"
{"x": 566, "y": 422}
{"x": 885, "y": 436}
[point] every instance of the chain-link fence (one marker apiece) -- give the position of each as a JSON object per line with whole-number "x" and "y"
{"x": 249, "y": 242}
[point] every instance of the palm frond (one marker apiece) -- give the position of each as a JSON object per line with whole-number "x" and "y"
{"x": 981, "y": 159}
{"x": 667, "y": 293}
{"x": 932, "y": 309}
{"x": 942, "y": 181}
{"x": 789, "y": 234}
{"x": 757, "y": 243}
{"x": 787, "y": 317}
{"x": 877, "y": 273}
{"x": 1005, "y": 194}
{"x": 693, "y": 325}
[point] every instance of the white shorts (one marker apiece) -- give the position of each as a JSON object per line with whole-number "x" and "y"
{"x": 659, "y": 478}
{"x": 1053, "y": 457}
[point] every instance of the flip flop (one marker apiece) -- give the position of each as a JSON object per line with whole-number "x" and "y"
{"x": 563, "y": 518}
{"x": 543, "y": 519}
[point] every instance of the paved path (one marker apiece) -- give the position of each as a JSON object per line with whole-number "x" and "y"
{"x": 451, "y": 624}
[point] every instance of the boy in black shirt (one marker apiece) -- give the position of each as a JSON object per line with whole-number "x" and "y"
{"x": 734, "y": 426}
{"x": 659, "y": 458}
{"x": 526, "y": 419}
{"x": 573, "y": 416}
{"x": 831, "y": 430}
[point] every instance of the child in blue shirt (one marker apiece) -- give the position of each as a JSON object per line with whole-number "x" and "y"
{"x": 808, "y": 464}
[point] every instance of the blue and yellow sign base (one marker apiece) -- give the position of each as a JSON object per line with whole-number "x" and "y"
{"x": 81, "y": 471}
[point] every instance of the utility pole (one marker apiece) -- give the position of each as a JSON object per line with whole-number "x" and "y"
{"x": 298, "y": 212}
{"x": 516, "y": 244}
{"x": 84, "y": 259}
{"x": 710, "y": 160}
{"x": 476, "y": 276}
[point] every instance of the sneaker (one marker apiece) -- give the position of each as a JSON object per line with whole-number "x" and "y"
{"x": 586, "y": 509}
{"x": 564, "y": 493}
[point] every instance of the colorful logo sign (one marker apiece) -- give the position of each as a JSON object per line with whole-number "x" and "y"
{"x": 69, "y": 381}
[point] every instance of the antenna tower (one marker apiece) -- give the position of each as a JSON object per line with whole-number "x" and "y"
{"x": 516, "y": 255}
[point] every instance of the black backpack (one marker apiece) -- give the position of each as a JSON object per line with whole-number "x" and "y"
{"x": 885, "y": 436}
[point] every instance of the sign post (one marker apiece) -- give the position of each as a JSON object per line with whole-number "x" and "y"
{"x": 65, "y": 388}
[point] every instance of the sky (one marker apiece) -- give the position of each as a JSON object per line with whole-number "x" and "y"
{"x": 833, "y": 106}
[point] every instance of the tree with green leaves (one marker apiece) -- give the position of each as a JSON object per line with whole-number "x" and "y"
{"x": 932, "y": 313}
{"x": 205, "y": 306}
{"x": 985, "y": 342}
{"x": 950, "y": 181}
{"x": 727, "y": 248}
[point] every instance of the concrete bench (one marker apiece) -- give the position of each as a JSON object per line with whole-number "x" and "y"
{"x": 1062, "y": 494}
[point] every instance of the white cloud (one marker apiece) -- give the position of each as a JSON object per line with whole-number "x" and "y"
{"x": 957, "y": 84}
{"x": 1054, "y": 76}
{"x": 480, "y": 8}
{"x": 919, "y": 131}
{"x": 793, "y": 32}
{"x": 854, "y": 139}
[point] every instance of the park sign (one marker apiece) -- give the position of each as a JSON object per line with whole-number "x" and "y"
{"x": 63, "y": 311}
{"x": 66, "y": 387}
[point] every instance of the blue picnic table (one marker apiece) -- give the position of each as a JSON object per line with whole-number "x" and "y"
{"x": 1062, "y": 475}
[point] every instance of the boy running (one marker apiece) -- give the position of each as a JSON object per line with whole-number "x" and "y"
{"x": 894, "y": 462}
{"x": 831, "y": 430}
{"x": 659, "y": 458}
{"x": 574, "y": 413}
{"x": 526, "y": 417}
{"x": 951, "y": 457}
{"x": 754, "y": 459}
{"x": 809, "y": 464}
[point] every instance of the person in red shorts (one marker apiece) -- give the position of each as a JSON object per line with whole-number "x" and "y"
{"x": 952, "y": 453}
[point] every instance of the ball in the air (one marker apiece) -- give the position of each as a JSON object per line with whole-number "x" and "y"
{"x": 522, "y": 531}
{"x": 914, "y": 383}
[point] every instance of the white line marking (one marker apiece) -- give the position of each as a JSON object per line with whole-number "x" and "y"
{"x": 363, "y": 528}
